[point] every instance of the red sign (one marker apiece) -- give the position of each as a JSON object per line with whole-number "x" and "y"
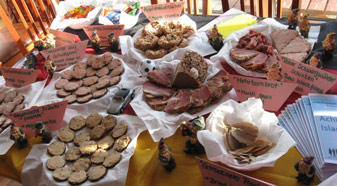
{"x": 63, "y": 38}
{"x": 214, "y": 174}
{"x": 163, "y": 12}
{"x": 18, "y": 77}
{"x": 272, "y": 93}
{"x": 51, "y": 115}
{"x": 103, "y": 31}
{"x": 67, "y": 55}
{"x": 309, "y": 79}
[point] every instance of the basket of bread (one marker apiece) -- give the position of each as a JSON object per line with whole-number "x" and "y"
{"x": 244, "y": 136}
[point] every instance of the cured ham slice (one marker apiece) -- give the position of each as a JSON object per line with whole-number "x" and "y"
{"x": 241, "y": 55}
{"x": 296, "y": 46}
{"x": 283, "y": 37}
{"x": 161, "y": 77}
{"x": 300, "y": 57}
{"x": 256, "y": 63}
{"x": 156, "y": 90}
{"x": 201, "y": 98}
{"x": 179, "y": 103}
{"x": 157, "y": 103}
{"x": 219, "y": 85}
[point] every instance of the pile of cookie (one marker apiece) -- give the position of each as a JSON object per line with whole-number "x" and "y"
{"x": 159, "y": 39}
{"x": 90, "y": 147}
{"x": 11, "y": 101}
{"x": 89, "y": 80}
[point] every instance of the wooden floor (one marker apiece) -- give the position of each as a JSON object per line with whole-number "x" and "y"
{"x": 8, "y": 182}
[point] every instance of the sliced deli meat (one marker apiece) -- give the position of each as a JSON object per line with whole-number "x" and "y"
{"x": 241, "y": 55}
{"x": 156, "y": 90}
{"x": 256, "y": 63}
{"x": 179, "y": 103}
{"x": 300, "y": 57}
{"x": 297, "y": 45}
{"x": 161, "y": 76}
{"x": 282, "y": 38}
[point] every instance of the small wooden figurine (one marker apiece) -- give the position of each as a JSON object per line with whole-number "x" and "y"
{"x": 50, "y": 66}
{"x": 39, "y": 45}
{"x": 305, "y": 26}
{"x": 306, "y": 170}
{"x": 165, "y": 156}
{"x": 43, "y": 131}
{"x": 329, "y": 44}
{"x": 293, "y": 19}
{"x": 274, "y": 72}
{"x": 96, "y": 42}
{"x": 30, "y": 61}
{"x": 190, "y": 129}
{"x": 315, "y": 60}
{"x": 215, "y": 39}
{"x": 18, "y": 135}
{"x": 114, "y": 44}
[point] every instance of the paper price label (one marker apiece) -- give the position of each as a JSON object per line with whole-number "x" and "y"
{"x": 163, "y": 12}
{"x": 18, "y": 77}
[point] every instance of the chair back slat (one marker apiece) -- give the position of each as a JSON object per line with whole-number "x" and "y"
{"x": 153, "y": 2}
{"x": 296, "y": 4}
{"x": 189, "y": 6}
{"x": 207, "y": 7}
{"x": 30, "y": 18}
{"x": 252, "y": 7}
{"x": 270, "y": 8}
{"x": 279, "y": 8}
{"x": 38, "y": 17}
{"x": 12, "y": 31}
{"x": 44, "y": 11}
{"x": 23, "y": 20}
{"x": 261, "y": 8}
{"x": 242, "y": 5}
{"x": 51, "y": 8}
{"x": 196, "y": 7}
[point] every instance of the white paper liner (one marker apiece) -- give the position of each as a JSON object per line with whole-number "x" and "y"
{"x": 49, "y": 96}
{"x": 266, "y": 26}
{"x": 198, "y": 43}
{"x": 59, "y": 23}
{"x": 35, "y": 171}
{"x": 250, "y": 111}
{"x": 31, "y": 93}
{"x": 161, "y": 124}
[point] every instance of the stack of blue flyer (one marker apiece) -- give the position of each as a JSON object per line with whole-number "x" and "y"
{"x": 312, "y": 122}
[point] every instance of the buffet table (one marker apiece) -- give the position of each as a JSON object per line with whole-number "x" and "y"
{"x": 144, "y": 168}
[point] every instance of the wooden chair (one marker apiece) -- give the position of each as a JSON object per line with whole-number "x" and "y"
{"x": 35, "y": 17}
{"x": 193, "y": 6}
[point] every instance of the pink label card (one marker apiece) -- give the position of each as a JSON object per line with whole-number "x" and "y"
{"x": 309, "y": 79}
{"x": 63, "y": 38}
{"x": 51, "y": 115}
{"x": 163, "y": 12}
{"x": 103, "y": 31}
{"x": 214, "y": 174}
{"x": 272, "y": 93}
{"x": 18, "y": 77}
{"x": 67, "y": 55}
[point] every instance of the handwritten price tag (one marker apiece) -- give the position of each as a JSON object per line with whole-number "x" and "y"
{"x": 309, "y": 79}
{"x": 163, "y": 12}
{"x": 63, "y": 38}
{"x": 51, "y": 115}
{"x": 67, "y": 55}
{"x": 18, "y": 77}
{"x": 272, "y": 93}
{"x": 103, "y": 31}
{"x": 214, "y": 174}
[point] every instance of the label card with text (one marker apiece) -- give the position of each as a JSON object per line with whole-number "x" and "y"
{"x": 63, "y": 38}
{"x": 103, "y": 31}
{"x": 163, "y": 12}
{"x": 309, "y": 79}
{"x": 214, "y": 174}
{"x": 51, "y": 115}
{"x": 67, "y": 55}
{"x": 18, "y": 77}
{"x": 272, "y": 93}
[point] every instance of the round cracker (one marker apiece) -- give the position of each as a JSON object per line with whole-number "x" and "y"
{"x": 97, "y": 132}
{"x": 82, "y": 164}
{"x": 19, "y": 107}
{"x": 79, "y": 73}
{"x": 19, "y": 99}
{"x": 90, "y": 72}
{"x": 71, "y": 99}
{"x": 112, "y": 160}
{"x": 82, "y": 91}
{"x": 102, "y": 72}
{"x": 62, "y": 93}
{"x": 55, "y": 162}
{"x": 102, "y": 83}
{"x": 9, "y": 107}
{"x": 98, "y": 64}
{"x": 10, "y": 95}
{"x": 117, "y": 71}
{"x": 62, "y": 174}
{"x": 121, "y": 143}
{"x": 60, "y": 83}
{"x": 77, "y": 123}
{"x": 77, "y": 177}
{"x": 90, "y": 80}
{"x": 71, "y": 86}
{"x": 99, "y": 93}
{"x": 106, "y": 142}
{"x": 114, "y": 80}
{"x": 107, "y": 58}
{"x": 81, "y": 65}
{"x": 79, "y": 82}
{"x": 93, "y": 120}
{"x": 88, "y": 147}
{"x": 119, "y": 130}
{"x": 67, "y": 74}
{"x": 114, "y": 64}
{"x": 73, "y": 154}
{"x": 82, "y": 137}
{"x": 99, "y": 156}
{"x": 109, "y": 122}
{"x": 84, "y": 99}
{"x": 66, "y": 135}
{"x": 97, "y": 173}
{"x": 57, "y": 148}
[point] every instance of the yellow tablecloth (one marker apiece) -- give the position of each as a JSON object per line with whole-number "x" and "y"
{"x": 144, "y": 169}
